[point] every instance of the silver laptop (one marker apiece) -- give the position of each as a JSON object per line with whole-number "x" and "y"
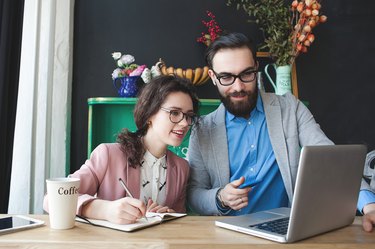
{"x": 325, "y": 198}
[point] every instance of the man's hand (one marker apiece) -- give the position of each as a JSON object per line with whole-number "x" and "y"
{"x": 234, "y": 197}
{"x": 368, "y": 220}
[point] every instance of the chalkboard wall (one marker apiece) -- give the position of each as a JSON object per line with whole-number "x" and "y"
{"x": 336, "y": 76}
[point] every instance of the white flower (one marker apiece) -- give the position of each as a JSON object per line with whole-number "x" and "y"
{"x": 116, "y": 73}
{"x": 116, "y": 55}
{"x": 120, "y": 63}
{"x": 127, "y": 59}
{"x": 126, "y": 66}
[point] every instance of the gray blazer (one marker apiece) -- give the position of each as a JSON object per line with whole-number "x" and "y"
{"x": 290, "y": 126}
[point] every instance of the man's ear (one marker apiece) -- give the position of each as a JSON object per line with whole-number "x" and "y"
{"x": 212, "y": 76}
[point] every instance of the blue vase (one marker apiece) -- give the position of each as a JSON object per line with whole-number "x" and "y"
{"x": 128, "y": 87}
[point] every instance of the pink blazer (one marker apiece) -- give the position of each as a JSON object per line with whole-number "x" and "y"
{"x": 99, "y": 178}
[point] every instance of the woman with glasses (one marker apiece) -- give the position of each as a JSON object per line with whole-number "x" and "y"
{"x": 123, "y": 180}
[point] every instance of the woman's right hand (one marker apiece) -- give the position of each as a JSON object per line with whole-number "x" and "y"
{"x": 122, "y": 211}
{"x": 125, "y": 210}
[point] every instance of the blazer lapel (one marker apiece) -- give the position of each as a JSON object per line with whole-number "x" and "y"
{"x": 171, "y": 185}
{"x": 133, "y": 176}
{"x": 219, "y": 144}
{"x": 277, "y": 137}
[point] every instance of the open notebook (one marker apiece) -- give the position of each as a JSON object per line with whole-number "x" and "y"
{"x": 152, "y": 219}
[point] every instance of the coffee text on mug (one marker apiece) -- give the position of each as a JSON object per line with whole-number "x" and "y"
{"x": 71, "y": 191}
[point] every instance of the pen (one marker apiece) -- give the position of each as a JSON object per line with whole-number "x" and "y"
{"x": 127, "y": 190}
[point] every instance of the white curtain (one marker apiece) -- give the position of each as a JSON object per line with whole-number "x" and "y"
{"x": 42, "y": 131}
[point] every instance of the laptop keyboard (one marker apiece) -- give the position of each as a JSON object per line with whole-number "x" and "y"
{"x": 279, "y": 226}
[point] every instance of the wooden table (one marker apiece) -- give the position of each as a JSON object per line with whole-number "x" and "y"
{"x": 187, "y": 232}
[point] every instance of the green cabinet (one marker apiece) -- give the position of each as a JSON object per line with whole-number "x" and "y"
{"x": 108, "y": 116}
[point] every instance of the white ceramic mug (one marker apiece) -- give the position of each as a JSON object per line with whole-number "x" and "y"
{"x": 62, "y": 201}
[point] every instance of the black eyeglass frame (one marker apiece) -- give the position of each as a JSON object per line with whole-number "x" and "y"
{"x": 240, "y": 75}
{"x": 193, "y": 117}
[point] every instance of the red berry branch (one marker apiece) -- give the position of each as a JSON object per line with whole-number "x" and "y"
{"x": 306, "y": 15}
{"x": 287, "y": 28}
{"x": 213, "y": 28}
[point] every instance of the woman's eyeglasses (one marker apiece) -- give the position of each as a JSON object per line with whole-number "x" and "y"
{"x": 176, "y": 116}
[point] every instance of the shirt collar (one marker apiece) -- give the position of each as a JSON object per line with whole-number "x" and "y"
{"x": 258, "y": 107}
{"x": 152, "y": 160}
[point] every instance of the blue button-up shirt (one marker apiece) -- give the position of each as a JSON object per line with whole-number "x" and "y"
{"x": 365, "y": 197}
{"x": 251, "y": 155}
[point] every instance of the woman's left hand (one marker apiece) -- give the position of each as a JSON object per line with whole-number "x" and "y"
{"x": 156, "y": 208}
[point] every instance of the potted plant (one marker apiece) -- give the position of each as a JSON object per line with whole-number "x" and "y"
{"x": 287, "y": 31}
{"x": 127, "y": 72}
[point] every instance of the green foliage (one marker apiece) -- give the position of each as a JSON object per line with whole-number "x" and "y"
{"x": 274, "y": 19}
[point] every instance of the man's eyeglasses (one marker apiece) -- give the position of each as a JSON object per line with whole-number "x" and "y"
{"x": 227, "y": 79}
{"x": 176, "y": 116}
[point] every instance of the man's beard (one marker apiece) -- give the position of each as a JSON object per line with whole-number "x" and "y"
{"x": 243, "y": 108}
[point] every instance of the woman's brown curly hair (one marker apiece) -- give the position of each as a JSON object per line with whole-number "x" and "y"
{"x": 149, "y": 102}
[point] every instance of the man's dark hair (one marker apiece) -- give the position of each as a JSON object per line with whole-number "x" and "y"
{"x": 229, "y": 40}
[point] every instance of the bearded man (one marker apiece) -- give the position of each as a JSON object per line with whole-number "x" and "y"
{"x": 244, "y": 156}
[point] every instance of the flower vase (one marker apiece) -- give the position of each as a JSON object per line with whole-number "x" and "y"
{"x": 283, "y": 78}
{"x": 128, "y": 86}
